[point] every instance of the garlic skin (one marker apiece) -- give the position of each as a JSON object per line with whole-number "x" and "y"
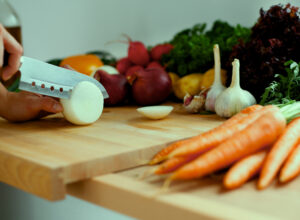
{"x": 217, "y": 86}
{"x": 234, "y": 98}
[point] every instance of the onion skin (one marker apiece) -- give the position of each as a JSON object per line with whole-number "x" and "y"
{"x": 116, "y": 86}
{"x": 132, "y": 70}
{"x": 150, "y": 86}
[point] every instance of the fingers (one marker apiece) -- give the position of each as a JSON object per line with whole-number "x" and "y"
{"x": 50, "y": 105}
{"x": 15, "y": 51}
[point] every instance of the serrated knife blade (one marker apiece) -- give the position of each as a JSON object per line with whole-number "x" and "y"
{"x": 47, "y": 79}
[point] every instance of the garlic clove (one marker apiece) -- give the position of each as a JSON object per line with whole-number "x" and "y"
{"x": 155, "y": 112}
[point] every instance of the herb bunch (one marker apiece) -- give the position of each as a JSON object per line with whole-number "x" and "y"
{"x": 193, "y": 46}
{"x": 285, "y": 89}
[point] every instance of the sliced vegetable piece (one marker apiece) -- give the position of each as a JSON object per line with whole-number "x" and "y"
{"x": 85, "y": 104}
{"x": 155, "y": 112}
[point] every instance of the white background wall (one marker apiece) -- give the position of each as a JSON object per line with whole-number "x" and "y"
{"x": 58, "y": 28}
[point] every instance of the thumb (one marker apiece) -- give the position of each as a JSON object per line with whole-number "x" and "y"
{"x": 51, "y": 105}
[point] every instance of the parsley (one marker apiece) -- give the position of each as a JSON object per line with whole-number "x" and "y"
{"x": 193, "y": 47}
{"x": 285, "y": 90}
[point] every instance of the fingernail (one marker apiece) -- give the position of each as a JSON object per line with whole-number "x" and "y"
{"x": 57, "y": 107}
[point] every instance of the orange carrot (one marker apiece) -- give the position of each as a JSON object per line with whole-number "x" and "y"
{"x": 198, "y": 145}
{"x": 261, "y": 133}
{"x": 162, "y": 155}
{"x": 279, "y": 152}
{"x": 291, "y": 168}
{"x": 244, "y": 170}
{"x": 173, "y": 163}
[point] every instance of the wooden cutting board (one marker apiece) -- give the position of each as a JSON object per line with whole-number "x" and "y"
{"x": 203, "y": 198}
{"x": 41, "y": 157}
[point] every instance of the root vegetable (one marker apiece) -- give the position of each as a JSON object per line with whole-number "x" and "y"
{"x": 123, "y": 65}
{"x": 137, "y": 53}
{"x": 155, "y": 64}
{"x": 159, "y": 50}
{"x": 206, "y": 136}
{"x": 150, "y": 86}
{"x": 261, "y": 133}
{"x": 108, "y": 69}
{"x": 132, "y": 70}
{"x": 85, "y": 104}
{"x": 155, "y": 112}
{"x": 116, "y": 86}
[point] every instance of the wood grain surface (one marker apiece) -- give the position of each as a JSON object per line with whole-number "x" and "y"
{"x": 42, "y": 156}
{"x": 203, "y": 199}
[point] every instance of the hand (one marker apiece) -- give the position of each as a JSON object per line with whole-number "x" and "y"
{"x": 15, "y": 51}
{"x": 24, "y": 106}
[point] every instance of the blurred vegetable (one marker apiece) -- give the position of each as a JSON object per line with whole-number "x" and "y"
{"x": 116, "y": 86}
{"x": 55, "y": 61}
{"x": 275, "y": 39}
{"x": 217, "y": 88}
{"x": 150, "y": 86}
{"x": 190, "y": 84}
{"x": 233, "y": 99}
{"x": 86, "y": 63}
{"x": 174, "y": 78}
{"x": 286, "y": 88}
{"x": 192, "y": 47}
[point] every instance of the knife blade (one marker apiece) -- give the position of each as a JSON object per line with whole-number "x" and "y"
{"x": 47, "y": 79}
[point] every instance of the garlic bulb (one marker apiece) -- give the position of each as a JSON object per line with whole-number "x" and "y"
{"x": 234, "y": 98}
{"x": 217, "y": 86}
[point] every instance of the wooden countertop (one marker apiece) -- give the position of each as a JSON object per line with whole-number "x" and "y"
{"x": 199, "y": 199}
{"x": 42, "y": 156}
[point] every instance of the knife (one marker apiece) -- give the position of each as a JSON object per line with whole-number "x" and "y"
{"x": 47, "y": 79}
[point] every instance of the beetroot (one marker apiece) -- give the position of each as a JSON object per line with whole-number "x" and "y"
{"x": 150, "y": 86}
{"x": 123, "y": 65}
{"x": 159, "y": 50}
{"x": 132, "y": 70}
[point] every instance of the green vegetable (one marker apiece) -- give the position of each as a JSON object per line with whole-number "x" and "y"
{"x": 286, "y": 89}
{"x": 193, "y": 48}
{"x": 55, "y": 62}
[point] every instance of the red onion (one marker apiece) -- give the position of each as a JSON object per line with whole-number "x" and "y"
{"x": 150, "y": 86}
{"x": 116, "y": 86}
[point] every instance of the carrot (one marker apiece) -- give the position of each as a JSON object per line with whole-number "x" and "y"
{"x": 162, "y": 155}
{"x": 174, "y": 163}
{"x": 291, "y": 168}
{"x": 261, "y": 133}
{"x": 204, "y": 143}
{"x": 244, "y": 170}
{"x": 279, "y": 152}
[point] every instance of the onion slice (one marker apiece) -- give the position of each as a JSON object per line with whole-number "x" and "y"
{"x": 85, "y": 104}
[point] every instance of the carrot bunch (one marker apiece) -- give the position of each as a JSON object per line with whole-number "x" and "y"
{"x": 259, "y": 140}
